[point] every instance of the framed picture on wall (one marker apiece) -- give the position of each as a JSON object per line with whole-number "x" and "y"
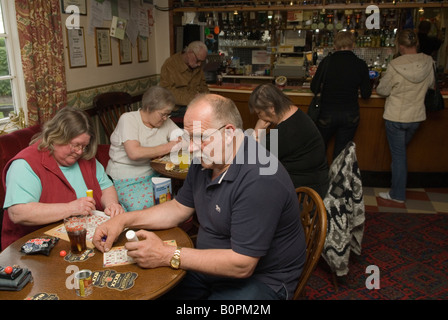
{"x": 103, "y": 47}
{"x": 125, "y": 48}
{"x": 81, "y": 4}
{"x": 143, "y": 49}
{"x": 76, "y": 48}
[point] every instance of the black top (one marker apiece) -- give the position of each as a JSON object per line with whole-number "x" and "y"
{"x": 345, "y": 76}
{"x": 301, "y": 150}
{"x": 428, "y": 44}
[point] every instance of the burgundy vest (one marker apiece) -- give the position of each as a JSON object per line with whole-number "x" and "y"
{"x": 55, "y": 187}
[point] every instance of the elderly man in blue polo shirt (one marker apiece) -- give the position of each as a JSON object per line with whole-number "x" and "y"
{"x": 250, "y": 242}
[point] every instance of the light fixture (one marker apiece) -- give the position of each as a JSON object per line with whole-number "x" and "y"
{"x": 235, "y": 12}
{"x": 421, "y": 10}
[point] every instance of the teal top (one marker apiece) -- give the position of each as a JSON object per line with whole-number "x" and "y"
{"x": 26, "y": 187}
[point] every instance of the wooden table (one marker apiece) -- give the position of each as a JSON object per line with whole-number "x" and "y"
{"x": 159, "y": 166}
{"x": 49, "y": 272}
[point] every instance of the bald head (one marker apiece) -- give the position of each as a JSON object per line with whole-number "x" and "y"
{"x": 213, "y": 109}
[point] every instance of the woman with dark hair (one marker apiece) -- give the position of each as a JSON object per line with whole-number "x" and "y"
{"x": 405, "y": 83}
{"x": 47, "y": 181}
{"x": 301, "y": 148}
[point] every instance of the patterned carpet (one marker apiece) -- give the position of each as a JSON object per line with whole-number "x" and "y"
{"x": 411, "y": 252}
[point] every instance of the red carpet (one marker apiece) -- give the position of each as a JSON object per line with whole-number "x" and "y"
{"x": 411, "y": 252}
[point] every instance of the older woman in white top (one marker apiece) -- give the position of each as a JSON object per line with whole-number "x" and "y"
{"x": 139, "y": 137}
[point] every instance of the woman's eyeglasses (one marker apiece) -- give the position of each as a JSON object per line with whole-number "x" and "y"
{"x": 77, "y": 147}
{"x": 164, "y": 115}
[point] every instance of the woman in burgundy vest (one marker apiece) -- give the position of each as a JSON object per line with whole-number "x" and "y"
{"x": 66, "y": 142}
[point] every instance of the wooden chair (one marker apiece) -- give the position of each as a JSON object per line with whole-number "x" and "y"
{"x": 314, "y": 220}
{"x": 109, "y": 107}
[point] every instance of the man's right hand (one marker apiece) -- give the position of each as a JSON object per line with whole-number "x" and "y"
{"x": 106, "y": 234}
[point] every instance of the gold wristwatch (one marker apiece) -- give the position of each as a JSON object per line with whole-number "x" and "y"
{"x": 175, "y": 260}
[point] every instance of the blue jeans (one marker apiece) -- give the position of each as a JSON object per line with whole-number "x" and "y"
{"x": 199, "y": 286}
{"x": 399, "y": 135}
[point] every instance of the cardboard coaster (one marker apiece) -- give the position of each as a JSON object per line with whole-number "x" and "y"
{"x": 114, "y": 280}
{"x": 80, "y": 258}
{"x": 43, "y": 296}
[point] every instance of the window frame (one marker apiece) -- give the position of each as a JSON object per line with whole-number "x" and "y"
{"x": 14, "y": 58}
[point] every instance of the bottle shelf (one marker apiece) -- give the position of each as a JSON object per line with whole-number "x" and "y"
{"x": 230, "y": 6}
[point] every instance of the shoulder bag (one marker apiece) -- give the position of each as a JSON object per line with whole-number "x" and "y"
{"x": 434, "y": 99}
{"x": 315, "y": 105}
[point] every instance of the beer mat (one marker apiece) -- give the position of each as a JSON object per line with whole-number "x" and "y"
{"x": 93, "y": 220}
{"x": 118, "y": 256}
{"x": 114, "y": 280}
{"x": 80, "y": 257}
{"x": 43, "y": 296}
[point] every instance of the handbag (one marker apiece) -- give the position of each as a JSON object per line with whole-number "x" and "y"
{"x": 314, "y": 108}
{"x": 315, "y": 105}
{"x": 433, "y": 98}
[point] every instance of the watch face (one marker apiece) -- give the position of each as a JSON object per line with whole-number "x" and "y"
{"x": 175, "y": 263}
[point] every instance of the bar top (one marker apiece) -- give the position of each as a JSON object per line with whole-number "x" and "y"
{"x": 288, "y": 90}
{"x": 248, "y": 88}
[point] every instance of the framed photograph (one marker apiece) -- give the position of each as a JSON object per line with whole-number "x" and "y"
{"x": 125, "y": 48}
{"x": 81, "y": 4}
{"x": 76, "y": 48}
{"x": 103, "y": 47}
{"x": 143, "y": 49}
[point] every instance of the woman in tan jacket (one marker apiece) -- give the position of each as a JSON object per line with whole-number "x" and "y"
{"x": 405, "y": 83}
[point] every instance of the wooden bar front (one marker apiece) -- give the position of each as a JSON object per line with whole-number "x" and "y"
{"x": 427, "y": 152}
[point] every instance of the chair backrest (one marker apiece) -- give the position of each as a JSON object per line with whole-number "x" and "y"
{"x": 109, "y": 107}
{"x": 10, "y": 145}
{"x": 314, "y": 220}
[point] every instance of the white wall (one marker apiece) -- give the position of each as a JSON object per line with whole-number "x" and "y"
{"x": 161, "y": 35}
{"x": 92, "y": 75}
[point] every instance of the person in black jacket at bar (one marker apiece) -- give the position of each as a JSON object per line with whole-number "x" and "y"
{"x": 427, "y": 44}
{"x": 346, "y": 74}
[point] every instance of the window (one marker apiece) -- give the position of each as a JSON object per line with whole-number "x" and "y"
{"x": 11, "y": 75}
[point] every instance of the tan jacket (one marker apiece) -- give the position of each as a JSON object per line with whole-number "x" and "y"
{"x": 185, "y": 83}
{"x": 405, "y": 83}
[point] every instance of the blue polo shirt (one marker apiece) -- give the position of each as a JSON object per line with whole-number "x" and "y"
{"x": 251, "y": 213}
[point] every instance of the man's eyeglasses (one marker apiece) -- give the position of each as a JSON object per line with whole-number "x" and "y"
{"x": 198, "y": 139}
{"x": 197, "y": 59}
{"x": 77, "y": 147}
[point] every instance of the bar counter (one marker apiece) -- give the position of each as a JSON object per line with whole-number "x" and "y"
{"x": 427, "y": 152}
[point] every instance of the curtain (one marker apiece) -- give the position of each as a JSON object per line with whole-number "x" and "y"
{"x": 42, "y": 49}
